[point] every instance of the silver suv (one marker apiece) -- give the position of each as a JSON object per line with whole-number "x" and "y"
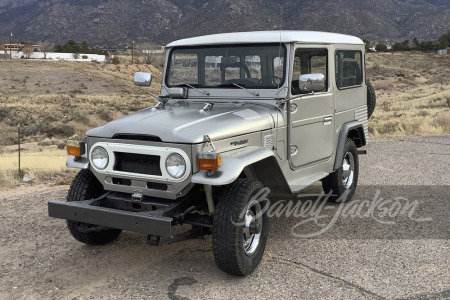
{"x": 237, "y": 113}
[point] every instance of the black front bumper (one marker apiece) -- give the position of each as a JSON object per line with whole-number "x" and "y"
{"x": 116, "y": 211}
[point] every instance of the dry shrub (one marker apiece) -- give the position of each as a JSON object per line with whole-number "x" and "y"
{"x": 79, "y": 116}
{"x": 443, "y": 121}
{"x": 115, "y": 60}
{"x": 8, "y": 135}
{"x": 65, "y": 130}
{"x": 389, "y": 128}
{"x": 105, "y": 115}
{"x": 386, "y": 106}
{"x": 413, "y": 126}
{"x": 382, "y": 84}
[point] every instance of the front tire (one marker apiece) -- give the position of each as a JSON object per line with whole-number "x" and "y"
{"x": 345, "y": 179}
{"x": 240, "y": 228}
{"x": 84, "y": 187}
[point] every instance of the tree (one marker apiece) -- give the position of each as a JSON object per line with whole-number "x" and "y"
{"x": 46, "y": 47}
{"x": 405, "y": 45}
{"x": 367, "y": 45}
{"x": 150, "y": 52}
{"x": 428, "y": 46}
{"x": 398, "y": 47}
{"x": 71, "y": 47}
{"x": 416, "y": 44}
{"x": 27, "y": 50}
{"x": 85, "y": 48}
{"x": 444, "y": 40}
{"x": 381, "y": 48}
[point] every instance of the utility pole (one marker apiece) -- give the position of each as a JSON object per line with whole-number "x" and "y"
{"x": 18, "y": 131}
{"x": 10, "y": 46}
{"x": 132, "y": 52}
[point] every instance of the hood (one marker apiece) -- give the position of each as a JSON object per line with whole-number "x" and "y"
{"x": 189, "y": 123}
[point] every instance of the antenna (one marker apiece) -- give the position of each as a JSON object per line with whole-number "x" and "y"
{"x": 278, "y": 91}
{"x": 279, "y": 48}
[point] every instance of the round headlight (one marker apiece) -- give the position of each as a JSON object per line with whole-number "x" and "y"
{"x": 176, "y": 165}
{"x": 99, "y": 158}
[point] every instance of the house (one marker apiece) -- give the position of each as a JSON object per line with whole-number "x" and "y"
{"x": 18, "y": 47}
{"x": 444, "y": 51}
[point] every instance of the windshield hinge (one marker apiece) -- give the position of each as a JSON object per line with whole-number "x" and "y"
{"x": 208, "y": 106}
{"x": 160, "y": 105}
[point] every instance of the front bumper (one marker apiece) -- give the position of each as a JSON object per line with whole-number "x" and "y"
{"x": 116, "y": 211}
{"x": 142, "y": 222}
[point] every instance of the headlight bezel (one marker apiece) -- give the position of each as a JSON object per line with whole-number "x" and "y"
{"x": 180, "y": 158}
{"x": 92, "y": 159}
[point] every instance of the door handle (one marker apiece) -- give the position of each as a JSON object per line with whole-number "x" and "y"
{"x": 327, "y": 119}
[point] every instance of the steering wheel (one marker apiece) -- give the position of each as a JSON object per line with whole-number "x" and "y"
{"x": 275, "y": 80}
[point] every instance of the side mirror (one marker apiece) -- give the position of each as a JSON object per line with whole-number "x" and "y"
{"x": 142, "y": 79}
{"x": 178, "y": 92}
{"x": 311, "y": 83}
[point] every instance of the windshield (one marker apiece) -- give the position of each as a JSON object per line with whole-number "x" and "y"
{"x": 233, "y": 66}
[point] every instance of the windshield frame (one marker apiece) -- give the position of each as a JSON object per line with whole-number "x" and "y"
{"x": 283, "y": 52}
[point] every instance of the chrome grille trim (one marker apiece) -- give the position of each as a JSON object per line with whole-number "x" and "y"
{"x": 162, "y": 152}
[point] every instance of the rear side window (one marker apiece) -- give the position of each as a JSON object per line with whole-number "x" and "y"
{"x": 348, "y": 68}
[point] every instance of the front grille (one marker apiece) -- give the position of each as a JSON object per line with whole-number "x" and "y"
{"x": 137, "y": 163}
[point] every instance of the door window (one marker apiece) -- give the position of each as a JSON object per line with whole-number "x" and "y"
{"x": 309, "y": 61}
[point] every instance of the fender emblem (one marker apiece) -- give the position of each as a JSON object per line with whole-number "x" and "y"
{"x": 241, "y": 142}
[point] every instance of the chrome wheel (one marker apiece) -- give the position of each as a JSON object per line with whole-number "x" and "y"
{"x": 348, "y": 170}
{"x": 252, "y": 227}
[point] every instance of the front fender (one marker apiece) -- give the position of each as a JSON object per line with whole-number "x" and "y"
{"x": 233, "y": 163}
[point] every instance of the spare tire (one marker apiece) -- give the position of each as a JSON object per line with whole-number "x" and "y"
{"x": 371, "y": 99}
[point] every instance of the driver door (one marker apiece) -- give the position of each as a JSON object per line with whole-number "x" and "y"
{"x": 311, "y": 114}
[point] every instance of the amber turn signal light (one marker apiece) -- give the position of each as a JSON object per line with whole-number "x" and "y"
{"x": 209, "y": 161}
{"x": 75, "y": 148}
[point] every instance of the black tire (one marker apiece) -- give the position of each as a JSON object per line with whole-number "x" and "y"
{"x": 336, "y": 183}
{"x": 84, "y": 187}
{"x": 228, "y": 238}
{"x": 371, "y": 99}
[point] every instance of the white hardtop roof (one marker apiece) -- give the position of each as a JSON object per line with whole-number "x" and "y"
{"x": 284, "y": 36}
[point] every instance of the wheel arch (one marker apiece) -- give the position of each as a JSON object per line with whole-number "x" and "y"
{"x": 268, "y": 172}
{"x": 353, "y": 130}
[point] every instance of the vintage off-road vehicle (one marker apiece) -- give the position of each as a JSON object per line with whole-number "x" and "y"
{"x": 237, "y": 112}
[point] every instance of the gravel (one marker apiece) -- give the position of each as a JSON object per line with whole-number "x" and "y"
{"x": 357, "y": 258}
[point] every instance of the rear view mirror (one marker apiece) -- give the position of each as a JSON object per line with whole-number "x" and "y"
{"x": 142, "y": 79}
{"x": 311, "y": 83}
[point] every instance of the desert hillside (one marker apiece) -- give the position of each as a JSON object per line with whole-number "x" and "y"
{"x": 112, "y": 22}
{"x": 53, "y": 101}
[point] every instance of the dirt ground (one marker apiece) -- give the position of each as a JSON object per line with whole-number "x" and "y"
{"x": 357, "y": 259}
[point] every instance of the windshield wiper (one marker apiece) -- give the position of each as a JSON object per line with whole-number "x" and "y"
{"x": 193, "y": 86}
{"x": 239, "y": 86}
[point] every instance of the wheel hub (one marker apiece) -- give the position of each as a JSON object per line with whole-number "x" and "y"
{"x": 252, "y": 228}
{"x": 348, "y": 167}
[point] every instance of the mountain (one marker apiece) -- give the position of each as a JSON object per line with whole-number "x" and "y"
{"x": 117, "y": 22}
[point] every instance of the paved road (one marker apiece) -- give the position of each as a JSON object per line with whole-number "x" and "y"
{"x": 394, "y": 251}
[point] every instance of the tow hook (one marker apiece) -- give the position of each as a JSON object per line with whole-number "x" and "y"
{"x": 137, "y": 196}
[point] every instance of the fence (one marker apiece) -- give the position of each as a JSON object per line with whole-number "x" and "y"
{"x": 38, "y": 160}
